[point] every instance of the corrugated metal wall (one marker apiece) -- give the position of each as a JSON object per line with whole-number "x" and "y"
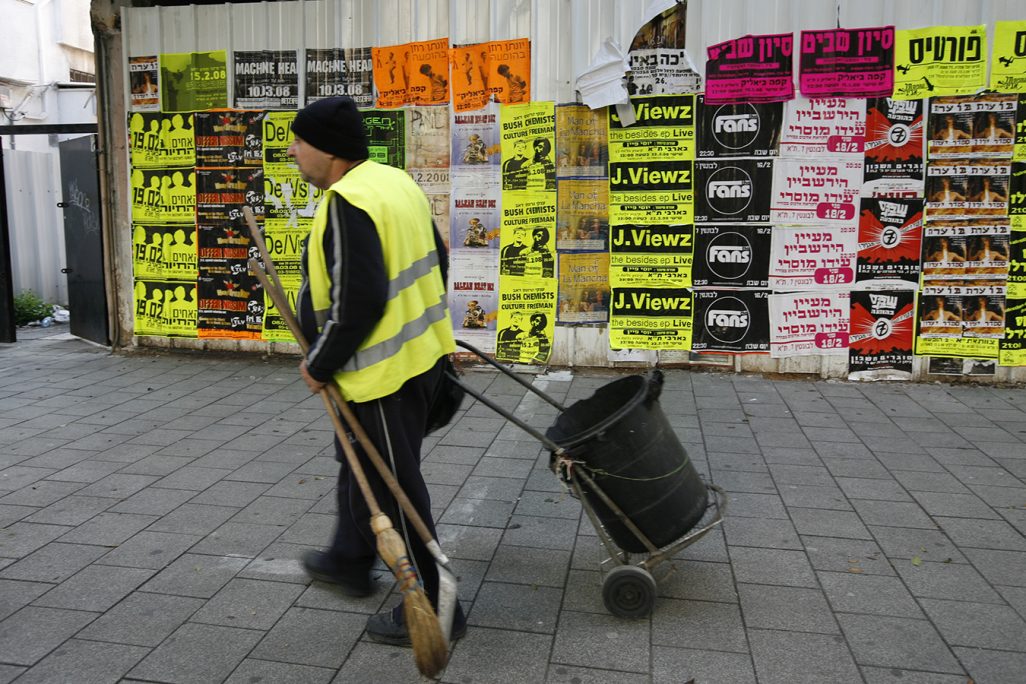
{"x": 565, "y": 35}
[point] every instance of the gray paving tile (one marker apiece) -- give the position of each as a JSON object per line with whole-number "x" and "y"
{"x": 893, "y": 675}
{"x": 54, "y": 562}
{"x": 846, "y": 555}
{"x": 766, "y": 533}
{"x": 538, "y": 532}
{"x": 772, "y": 566}
{"x": 788, "y": 608}
{"x": 698, "y": 624}
{"x": 77, "y": 660}
{"x": 812, "y": 496}
{"x": 31, "y": 633}
{"x": 252, "y": 604}
{"x": 874, "y": 489}
{"x": 984, "y": 534}
{"x": 238, "y": 494}
{"x": 548, "y": 504}
{"x": 870, "y": 594}
{"x": 827, "y": 523}
{"x": 306, "y": 636}
{"x": 791, "y": 457}
{"x": 794, "y": 657}
{"x": 16, "y": 594}
{"x": 252, "y": 670}
{"x": 893, "y": 514}
{"x": 197, "y": 653}
{"x": 897, "y": 642}
{"x": 117, "y": 486}
{"x": 696, "y": 580}
{"x": 237, "y": 539}
{"x": 195, "y": 575}
{"x": 479, "y": 512}
{"x": 525, "y": 565}
{"x": 979, "y": 625}
{"x": 907, "y": 460}
{"x": 467, "y": 541}
{"x": 152, "y": 550}
{"x": 194, "y": 519}
{"x": 757, "y": 506}
{"x": 514, "y": 606}
{"x": 142, "y": 619}
{"x": 563, "y": 674}
{"x": 801, "y": 474}
{"x": 313, "y": 529}
{"x": 488, "y": 656}
{"x": 280, "y": 562}
{"x": 909, "y": 542}
{"x": 94, "y": 588}
{"x": 734, "y": 481}
{"x": 601, "y": 641}
{"x": 370, "y": 662}
{"x": 266, "y": 472}
{"x": 954, "y": 505}
{"x": 8, "y": 673}
{"x": 675, "y": 665}
{"x": 17, "y": 477}
{"x": 986, "y": 666}
{"x": 22, "y": 538}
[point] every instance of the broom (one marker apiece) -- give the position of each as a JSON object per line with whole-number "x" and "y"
{"x": 430, "y": 644}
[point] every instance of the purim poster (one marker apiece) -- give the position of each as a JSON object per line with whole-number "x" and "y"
{"x": 194, "y": 81}
{"x": 809, "y": 323}
{"x": 940, "y": 60}
{"x": 1008, "y": 65}
{"x": 823, "y": 126}
{"x": 890, "y": 240}
{"x": 880, "y": 335}
{"x": 847, "y": 62}
{"x": 972, "y": 188}
{"x": 144, "y": 84}
{"x": 658, "y": 61}
{"x": 805, "y": 257}
{"x": 753, "y": 68}
{"x": 734, "y": 321}
{"x": 583, "y": 288}
{"x": 739, "y": 130}
{"x": 972, "y": 127}
{"x": 894, "y": 148}
{"x": 650, "y": 318}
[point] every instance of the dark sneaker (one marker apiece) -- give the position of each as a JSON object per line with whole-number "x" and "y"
{"x": 354, "y": 581}
{"x": 390, "y": 628}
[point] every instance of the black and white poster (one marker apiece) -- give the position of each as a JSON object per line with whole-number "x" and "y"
{"x": 739, "y": 130}
{"x": 730, "y": 321}
{"x": 733, "y": 191}
{"x": 338, "y": 71}
{"x": 731, "y": 256}
{"x": 266, "y": 79}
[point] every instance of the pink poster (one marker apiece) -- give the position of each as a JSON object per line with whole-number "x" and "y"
{"x": 750, "y": 69}
{"x": 847, "y": 62}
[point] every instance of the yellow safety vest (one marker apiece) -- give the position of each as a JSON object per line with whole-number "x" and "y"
{"x": 415, "y": 329}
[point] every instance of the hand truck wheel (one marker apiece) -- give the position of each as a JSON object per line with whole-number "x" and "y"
{"x": 629, "y": 591}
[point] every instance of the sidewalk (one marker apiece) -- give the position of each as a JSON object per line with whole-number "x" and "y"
{"x": 154, "y": 507}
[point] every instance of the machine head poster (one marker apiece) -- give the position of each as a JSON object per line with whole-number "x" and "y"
{"x": 735, "y": 321}
{"x": 582, "y": 147}
{"x": 1008, "y": 67}
{"x": 809, "y": 323}
{"x": 266, "y": 79}
{"x": 658, "y": 255}
{"x": 509, "y": 70}
{"x": 664, "y": 130}
{"x": 650, "y": 318}
{"x": 582, "y": 214}
{"x": 847, "y": 62}
{"x": 584, "y": 288}
{"x": 824, "y": 126}
{"x": 750, "y": 69}
{"x": 739, "y": 130}
{"x": 144, "y": 84}
{"x": 815, "y": 192}
{"x": 880, "y": 335}
{"x": 894, "y": 147}
{"x": 469, "y": 67}
{"x": 732, "y": 256}
{"x": 194, "y": 81}
{"x": 229, "y": 139}
{"x": 340, "y": 71}
{"x": 940, "y": 60}
{"x": 890, "y": 240}
{"x": 165, "y": 309}
{"x": 429, "y": 72}
{"x": 733, "y": 190}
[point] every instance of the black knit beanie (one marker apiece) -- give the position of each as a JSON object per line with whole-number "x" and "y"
{"x": 333, "y": 125}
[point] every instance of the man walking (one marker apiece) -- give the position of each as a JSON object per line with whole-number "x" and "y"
{"x": 373, "y": 306}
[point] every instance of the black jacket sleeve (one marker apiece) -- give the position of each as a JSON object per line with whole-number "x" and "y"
{"x": 359, "y": 288}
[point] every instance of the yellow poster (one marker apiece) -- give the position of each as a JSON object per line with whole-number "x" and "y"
{"x": 469, "y": 77}
{"x": 275, "y": 329}
{"x": 940, "y": 60}
{"x": 163, "y": 196}
{"x": 164, "y": 252}
{"x": 161, "y": 141}
{"x": 527, "y": 320}
{"x": 392, "y": 75}
{"x": 656, "y": 192}
{"x": 584, "y": 287}
{"x": 650, "y": 318}
{"x": 509, "y": 70}
{"x": 1008, "y": 65}
{"x": 583, "y": 216}
{"x": 961, "y": 347}
{"x": 651, "y": 256}
{"x": 277, "y": 136}
{"x": 1012, "y": 348}
{"x": 194, "y": 81}
{"x": 526, "y": 144}
{"x": 165, "y": 309}
{"x": 664, "y": 130}
{"x": 582, "y": 141}
{"x": 527, "y": 239}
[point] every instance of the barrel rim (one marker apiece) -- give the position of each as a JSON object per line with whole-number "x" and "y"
{"x": 580, "y": 438}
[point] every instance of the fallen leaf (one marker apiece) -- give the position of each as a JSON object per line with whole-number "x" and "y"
{"x": 917, "y": 561}
{"x": 856, "y": 571}
{"x": 947, "y": 560}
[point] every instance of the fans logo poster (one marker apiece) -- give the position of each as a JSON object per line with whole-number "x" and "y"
{"x": 730, "y": 321}
{"x": 890, "y": 239}
{"x": 732, "y": 256}
{"x": 739, "y": 130}
{"x": 881, "y": 332}
{"x": 735, "y": 191}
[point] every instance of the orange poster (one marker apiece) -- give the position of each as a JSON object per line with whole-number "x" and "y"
{"x": 509, "y": 70}
{"x": 429, "y": 72}
{"x": 392, "y": 75}
{"x": 470, "y": 77}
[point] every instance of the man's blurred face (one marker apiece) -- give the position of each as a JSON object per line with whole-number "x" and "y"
{"x": 314, "y": 164}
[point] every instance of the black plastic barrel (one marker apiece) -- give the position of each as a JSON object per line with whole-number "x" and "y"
{"x": 630, "y": 451}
